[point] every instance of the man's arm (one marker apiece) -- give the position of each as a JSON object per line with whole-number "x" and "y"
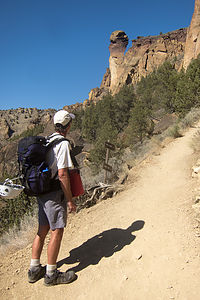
{"x": 65, "y": 185}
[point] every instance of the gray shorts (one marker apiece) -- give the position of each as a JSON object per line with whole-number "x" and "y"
{"x": 52, "y": 210}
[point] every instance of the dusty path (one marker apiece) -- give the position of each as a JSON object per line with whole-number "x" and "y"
{"x": 159, "y": 260}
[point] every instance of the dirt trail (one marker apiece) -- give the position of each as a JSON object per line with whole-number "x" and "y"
{"x": 159, "y": 260}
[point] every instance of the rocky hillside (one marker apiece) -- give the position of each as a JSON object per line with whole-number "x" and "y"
{"x": 14, "y": 123}
{"x": 146, "y": 54}
{"x": 17, "y": 123}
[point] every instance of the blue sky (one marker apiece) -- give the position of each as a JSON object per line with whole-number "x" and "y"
{"x": 53, "y": 52}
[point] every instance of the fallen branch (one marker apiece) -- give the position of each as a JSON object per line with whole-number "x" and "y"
{"x": 97, "y": 193}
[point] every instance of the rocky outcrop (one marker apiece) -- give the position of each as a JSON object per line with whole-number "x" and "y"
{"x": 4, "y": 129}
{"x": 14, "y": 122}
{"x": 73, "y": 107}
{"x": 97, "y": 92}
{"x": 8, "y": 160}
{"x": 146, "y": 54}
{"x": 118, "y": 44}
{"x": 13, "y": 126}
{"x": 106, "y": 80}
{"x": 192, "y": 46}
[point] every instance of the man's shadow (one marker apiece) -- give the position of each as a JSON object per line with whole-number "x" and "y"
{"x": 102, "y": 245}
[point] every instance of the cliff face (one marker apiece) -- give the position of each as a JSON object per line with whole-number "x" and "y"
{"x": 118, "y": 44}
{"x": 192, "y": 46}
{"x": 146, "y": 54}
{"x": 15, "y": 121}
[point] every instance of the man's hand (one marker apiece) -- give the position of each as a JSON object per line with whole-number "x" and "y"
{"x": 71, "y": 206}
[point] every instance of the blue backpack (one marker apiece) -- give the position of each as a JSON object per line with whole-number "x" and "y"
{"x": 33, "y": 170}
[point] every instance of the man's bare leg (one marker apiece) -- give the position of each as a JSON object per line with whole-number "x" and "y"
{"x": 53, "y": 276}
{"x": 54, "y": 245}
{"x": 36, "y": 271}
{"x": 38, "y": 242}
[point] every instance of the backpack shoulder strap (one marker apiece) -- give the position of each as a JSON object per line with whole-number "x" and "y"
{"x": 55, "y": 142}
{"x": 72, "y": 154}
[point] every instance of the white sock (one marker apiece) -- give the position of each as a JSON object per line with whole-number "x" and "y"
{"x": 35, "y": 262}
{"x": 50, "y": 269}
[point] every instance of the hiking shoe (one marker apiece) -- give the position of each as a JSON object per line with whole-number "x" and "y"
{"x": 36, "y": 273}
{"x": 59, "y": 278}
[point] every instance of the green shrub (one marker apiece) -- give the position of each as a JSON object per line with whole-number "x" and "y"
{"x": 77, "y": 122}
{"x": 191, "y": 118}
{"x": 174, "y": 131}
{"x": 12, "y": 211}
{"x": 188, "y": 88}
{"x": 139, "y": 124}
{"x": 158, "y": 89}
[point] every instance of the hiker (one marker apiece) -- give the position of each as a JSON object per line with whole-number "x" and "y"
{"x": 52, "y": 213}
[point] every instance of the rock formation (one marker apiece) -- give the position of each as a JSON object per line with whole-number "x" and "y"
{"x": 73, "y": 107}
{"x": 146, "y": 54}
{"x": 192, "y": 46}
{"x": 4, "y": 129}
{"x": 14, "y": 122}
{"x": 118, "y": 44}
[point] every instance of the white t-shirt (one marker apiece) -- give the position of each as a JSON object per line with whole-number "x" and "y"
{"x": 58, "y": 157}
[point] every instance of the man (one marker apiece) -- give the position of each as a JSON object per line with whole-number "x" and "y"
{"x": 53, "y": 208}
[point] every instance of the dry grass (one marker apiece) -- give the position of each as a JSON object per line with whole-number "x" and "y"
{"x": 174, "y": 131}
{"x": 15, "y": 239}
{"x": 191, "y": 118}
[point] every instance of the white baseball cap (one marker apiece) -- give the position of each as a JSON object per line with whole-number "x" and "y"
{"x": 63, "y": 117}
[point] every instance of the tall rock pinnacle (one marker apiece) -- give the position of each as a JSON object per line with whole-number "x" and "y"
{"x": 148, "y": 53}
{"x": 118, "y": 44}
{"x": 192, "y": 46}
